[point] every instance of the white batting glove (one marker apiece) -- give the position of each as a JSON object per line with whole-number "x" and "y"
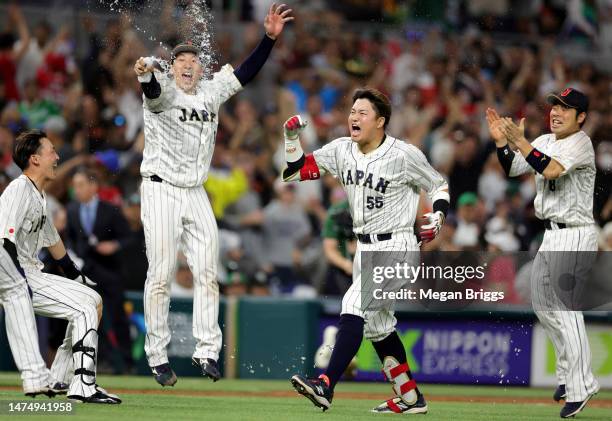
{"x": 432, "y": 229}
{"x": 293, "y": 127}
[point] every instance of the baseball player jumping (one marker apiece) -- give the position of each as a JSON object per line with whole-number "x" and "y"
{"x": 382, "y": 177}
{"x": 25, "y": 227}
{"x": 564, "y": 165}
{"x": 181, "y": 116}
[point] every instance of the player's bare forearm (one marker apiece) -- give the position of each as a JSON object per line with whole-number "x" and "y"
{"x": 57, "y": 250}
{"x": 333, "y": 255}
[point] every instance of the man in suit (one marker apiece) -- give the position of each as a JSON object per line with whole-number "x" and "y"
{"x": 97, "y": 231}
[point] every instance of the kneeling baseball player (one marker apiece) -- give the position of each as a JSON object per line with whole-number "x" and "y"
{"x": 25, "y": 228}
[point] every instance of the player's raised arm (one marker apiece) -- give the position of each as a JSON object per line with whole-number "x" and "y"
{"x": 544, "y": 164}
{"x": 273, "y": 24}
{"x": 512, "y": 162}
{"x": 299, "y": 167}
{"x": 145, "y": 71}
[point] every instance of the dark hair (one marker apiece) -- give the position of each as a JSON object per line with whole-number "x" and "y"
{"x": 89, "y": 175}
{"x": 379, "y": 101}
{"x": 26, "y": 145}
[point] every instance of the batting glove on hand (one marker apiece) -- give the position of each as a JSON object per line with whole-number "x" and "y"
{"x": 432, "y": 229}
{"x": 294, "y": 126}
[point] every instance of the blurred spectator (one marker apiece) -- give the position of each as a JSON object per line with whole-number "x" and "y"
{"x": 4, "y": 181}
{"x": 34, "y": 55}
{"x": 225, "y": 183}
{"x": 605, "y": 238}
{"x": 133, "y": 256}
{"x": 55, "y": 127}
{"x": 35, "y": 109}
{"x": 468, "y": 230}
{"x": 470, "y": 158}
{"x": 339, "y": 246}
{"x": 582, "y": 19}
{"x": 285, "y": 234}
{"x": 9, "y": 58}
{"x": 182, "y": 287}
{"x": 239, "y": 273}
{"x": 97, "y": 232}
{"x": 6, "y": 154}
{"x": 492, "y": 183}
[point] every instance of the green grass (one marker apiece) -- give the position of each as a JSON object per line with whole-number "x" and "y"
{"x": 170, "y": 405}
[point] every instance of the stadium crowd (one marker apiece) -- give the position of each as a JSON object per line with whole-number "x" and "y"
{"x": 440, "y": 79}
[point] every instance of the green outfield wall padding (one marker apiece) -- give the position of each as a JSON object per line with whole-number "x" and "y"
{"x": 276, "y": 337}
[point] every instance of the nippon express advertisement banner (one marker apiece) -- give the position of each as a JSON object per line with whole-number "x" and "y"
{"x": 449, "y": 352}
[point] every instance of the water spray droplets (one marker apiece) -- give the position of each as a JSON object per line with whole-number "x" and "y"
{"x": 197, "y": 28}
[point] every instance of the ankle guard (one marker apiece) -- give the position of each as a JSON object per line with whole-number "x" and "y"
{"x": 399, "y": 376}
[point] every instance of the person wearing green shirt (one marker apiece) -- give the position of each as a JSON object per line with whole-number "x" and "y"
{"x": 339, "y": 247}
{"x": 34, "y": 109}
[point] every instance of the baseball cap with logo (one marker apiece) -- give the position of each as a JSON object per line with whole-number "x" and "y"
{"x": 570, "y": 98}
{"x": 185, "y": 47}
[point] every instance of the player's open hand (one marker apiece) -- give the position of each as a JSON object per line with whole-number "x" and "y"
{"x": 511, "y": 131}
{"x": 495, "y": 127}
{"x": 432, "y": 229}
{"x": 141, "y": 67}
{"x": 276, "y": 19}
{"x": 294, "y": 126}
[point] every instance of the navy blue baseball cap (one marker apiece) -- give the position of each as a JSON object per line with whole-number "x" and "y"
{"x": 572, "y": 98}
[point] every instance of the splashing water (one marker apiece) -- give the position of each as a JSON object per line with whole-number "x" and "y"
{"x": 194, "y": 26}
{"x": 197, "y": 28}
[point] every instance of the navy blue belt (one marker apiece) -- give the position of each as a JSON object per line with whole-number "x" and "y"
{"x": 368, "y": 238}
{"x": 549, "y": 225}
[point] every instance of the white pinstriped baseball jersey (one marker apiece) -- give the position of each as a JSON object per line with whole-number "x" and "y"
{"x": 569, "y": 198}
{"x": 24, "y": 220}
{"x": 180, "y": 129}
{"x": 382, "y": 186}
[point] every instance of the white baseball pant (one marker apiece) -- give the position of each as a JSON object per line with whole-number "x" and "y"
{"x": 62, "y": 298}
{"x": 21, "y": 326}
{"x": 379, "y": 323}
{"x": 171, "y": 216}
{"x": 557, "y": 255}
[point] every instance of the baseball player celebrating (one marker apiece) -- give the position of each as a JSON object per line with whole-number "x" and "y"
{"x": 564, "y": 165}
{"x": 181, "y": 116}
{"x": 26, "y": 227}
{"x": 382, "y": 177}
